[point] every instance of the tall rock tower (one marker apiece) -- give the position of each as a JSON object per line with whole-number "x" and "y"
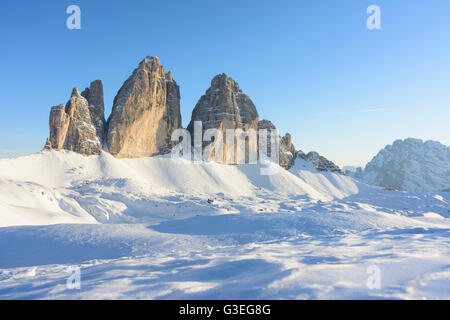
{"x": 94, "y": 96}
{"x": 145, "y": 112}
{"x": 71, "y": 127}
{"x": 224, "y": 106}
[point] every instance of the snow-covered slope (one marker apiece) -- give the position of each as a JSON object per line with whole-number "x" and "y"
{"x": 65, "y": 187}
{"x": 332, "y": 184}
{"x": 144, "y": 229}
{"x": 410, "y": 165}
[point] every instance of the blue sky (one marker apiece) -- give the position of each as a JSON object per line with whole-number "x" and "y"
{"x": 312, "y": 67}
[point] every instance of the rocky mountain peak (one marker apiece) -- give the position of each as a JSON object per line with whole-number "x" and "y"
{"x": 71, "y": 127}
{"x": 409, "y": 165}
{"x": 287, "y": 140}
{"x": 321, "y": 163}
{"x": 149, "y": 66}
{"x": 224, "y": 82}
{"x": 149, "y": 62}
{"x": 145, "y": 112}
{"x": 75, "y": 93}
{"x": 222, "y": 107}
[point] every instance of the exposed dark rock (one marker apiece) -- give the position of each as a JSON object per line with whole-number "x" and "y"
{"x": 319, "y": 162}
{"x": 94, "y": 96}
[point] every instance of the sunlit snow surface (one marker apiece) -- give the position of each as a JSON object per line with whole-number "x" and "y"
{"x": 143, "y": 229}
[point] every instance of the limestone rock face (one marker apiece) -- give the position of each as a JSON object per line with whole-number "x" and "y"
{"x": 71, "y": 127}
{"x": 224, "y": 106}
{"x": 94, "y": 96}
{"x": 145, "y": 112}
{"x": 173, "y": 115}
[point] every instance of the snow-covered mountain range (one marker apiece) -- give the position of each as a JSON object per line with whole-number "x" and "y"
{"x": 410, "y": 165}
{"x": 106, "y": 197}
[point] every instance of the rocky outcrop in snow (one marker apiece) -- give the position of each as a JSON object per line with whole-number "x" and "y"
{"x": 319, "y": 162}
{"x": 71, "y": 127}
{"x": 410, "y": 165}
{"x": 286, "y": 148}
{"x": 145, "y": 112}
{"x": 287, "y": 152}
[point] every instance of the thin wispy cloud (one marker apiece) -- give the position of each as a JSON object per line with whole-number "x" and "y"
{"x": 371, "y": 110}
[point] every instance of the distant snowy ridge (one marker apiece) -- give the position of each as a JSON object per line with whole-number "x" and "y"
{"x": 410, "y": 165}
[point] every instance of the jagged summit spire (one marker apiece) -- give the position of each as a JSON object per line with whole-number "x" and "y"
{"x": 223, "y": 81}
{"x": 75, "y": 93}
{"x": 71, "y": 127}
{"x": 149, "y": 63}
{"x": 152, "y": 59}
